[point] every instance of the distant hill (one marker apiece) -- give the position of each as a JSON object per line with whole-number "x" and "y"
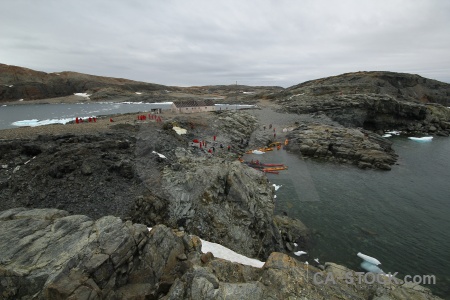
{"x": 22, "y": 83}
{"x": 372, "y": 100}
{"x": 404, "y": 86}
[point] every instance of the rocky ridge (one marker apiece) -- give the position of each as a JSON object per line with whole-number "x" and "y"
{"x": 76, "y": 257}
{"x": 375, "y": 101}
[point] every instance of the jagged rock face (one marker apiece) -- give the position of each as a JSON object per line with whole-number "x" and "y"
{"x": 49, "y": 254}
{"x": 219, "y": 200}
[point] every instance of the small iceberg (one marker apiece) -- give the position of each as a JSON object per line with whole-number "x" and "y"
{"x": 371, "y": 268}
{"x": 369, "y": 259}
{"x": 276, "y": 186}
{"x": 298, "y": 253}
{"x": 421, "y": 139}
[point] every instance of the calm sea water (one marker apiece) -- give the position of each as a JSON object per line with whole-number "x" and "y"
{"x": 401, "y": 217}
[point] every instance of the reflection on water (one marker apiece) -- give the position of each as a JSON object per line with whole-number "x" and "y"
{"x": 399, "y": 216}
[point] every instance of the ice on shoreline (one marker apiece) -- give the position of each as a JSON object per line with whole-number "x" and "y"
{"x": 82, "y": 95}
{"x": 36, "y": 122}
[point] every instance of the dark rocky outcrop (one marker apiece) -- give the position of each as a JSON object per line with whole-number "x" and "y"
{"x": 49, "y": 254}
{"x": 375, "y": 101}
{"x": 333, "y": 143}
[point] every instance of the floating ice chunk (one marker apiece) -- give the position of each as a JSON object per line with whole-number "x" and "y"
{"x": 316, "y": 260}
{"x": 421, "y": 139}
{"x": 298, "y": 253}
{"x": 386, "y": 135}
{"x": 179, "y": 130}
{"x": 11, "y": 85}
{"x": 295, "y": 244}
{"x": 274, "y": 196}
{"x": 371, "y": 268}
{"x": 222, "y": 252}
{"x": 369, "y": 259}
{"x": 257, "y": 152}
{"x": 159, "y": 154}
{"x": 277, "y": 186}
{"x": 138, "y": 93}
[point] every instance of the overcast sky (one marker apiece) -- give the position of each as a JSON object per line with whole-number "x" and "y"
{"x": 206, "y": 42}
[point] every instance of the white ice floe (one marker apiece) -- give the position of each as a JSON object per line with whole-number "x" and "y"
{"x": 316, "y": 260}
{"x": 222, "y": 252}
{"x": 179, "y": 130}
{"x": 159, "y": 154}
{"x": 257, "y": 152}
{"x": 386, "y": 135}
{"x": 11, "y": 85}
{"x": 371, "y": 268}
{"x": 295, "y": 244}
{"x": 274, "y": 196}
{"x": 277, "y": 186}
{"x": 138, "y": 93}
{"x": 421, "y": 139}
{"x": 36, "y": 122}
{"x": 298, "y": 253}
{"x": 369, "y": 259}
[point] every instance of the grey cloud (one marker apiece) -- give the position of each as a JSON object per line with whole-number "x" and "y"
{"x": 203, "y": 42}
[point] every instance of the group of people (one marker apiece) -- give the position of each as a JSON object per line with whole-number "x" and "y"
{"x": 81, "y": 120}
{"x": 150, "y": 116}
{"x": 212, "y": 149}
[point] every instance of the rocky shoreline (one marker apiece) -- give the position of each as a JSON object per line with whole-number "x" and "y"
{"x": 76, "y": 199}
{"x": 53, "y": 255}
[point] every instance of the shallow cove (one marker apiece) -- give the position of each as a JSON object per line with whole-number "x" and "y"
{"x": 399, "y": 216}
